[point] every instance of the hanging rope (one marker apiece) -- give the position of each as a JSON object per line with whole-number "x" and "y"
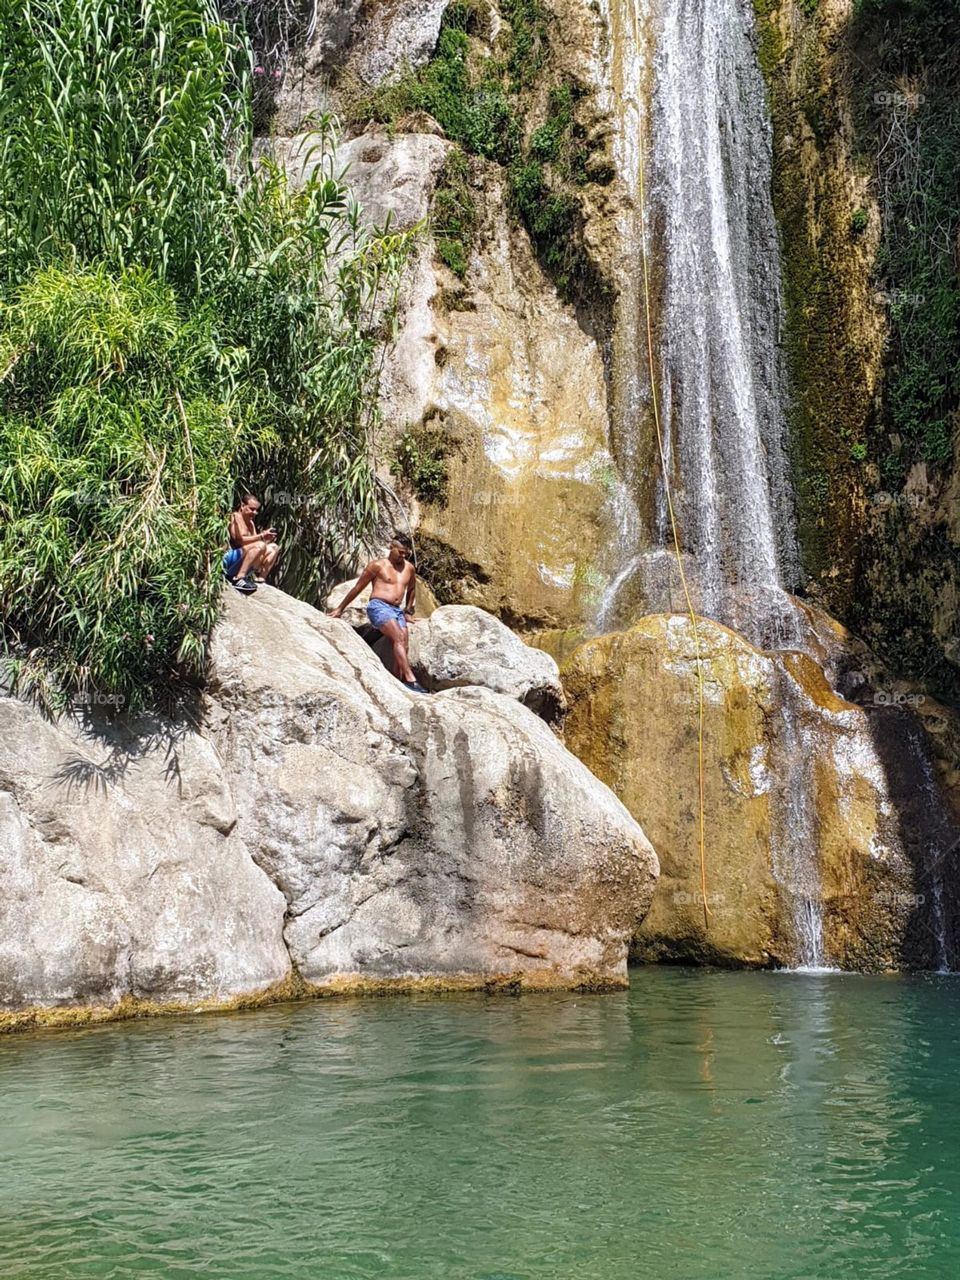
{"x": 676, "y": 536}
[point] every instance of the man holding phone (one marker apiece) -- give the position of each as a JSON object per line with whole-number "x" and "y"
{"x": 252, "y": 555}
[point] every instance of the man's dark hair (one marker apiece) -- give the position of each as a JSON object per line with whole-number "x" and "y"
{"x": 405, "y": 541}
{"x": 245, "y": 497}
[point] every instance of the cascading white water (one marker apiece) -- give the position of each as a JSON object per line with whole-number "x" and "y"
{"x": 793, "y": 852}
{"x": 688, "y": 94}
{"x": 722, "y": 390}
{"x": 711, "y": 231}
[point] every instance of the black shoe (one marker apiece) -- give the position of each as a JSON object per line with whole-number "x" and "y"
{"x": 413, "y": 686}
{"x": 243, "y": 586}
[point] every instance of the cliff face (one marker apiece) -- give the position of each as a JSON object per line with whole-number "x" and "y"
{"x": 865, "y": 185}
{"x": 517, "y": 126}
{"x": 513, "y": 132}
{"x": 315, "y": 828}
{"x": 491, "y": 127}
{"x": 828, "y": 835}
{"x": 835, "y": 328}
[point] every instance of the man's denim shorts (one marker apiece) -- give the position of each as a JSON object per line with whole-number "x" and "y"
{"x": 379, "y": 612}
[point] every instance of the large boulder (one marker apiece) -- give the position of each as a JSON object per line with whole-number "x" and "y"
{"x": 828, "y": 837}
{"x": 313, "y": 826}
{"x": 461, "y": 646}
{"x": 122, "y": 874}
{"x": 415, "y": 837}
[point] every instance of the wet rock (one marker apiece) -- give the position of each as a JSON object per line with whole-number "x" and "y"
{"x": 814, "y": 852}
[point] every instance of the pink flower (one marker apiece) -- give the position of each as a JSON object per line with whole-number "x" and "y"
{"x": 258, "y": 71}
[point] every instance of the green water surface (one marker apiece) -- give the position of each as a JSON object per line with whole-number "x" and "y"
{"x": 703, "y": 1125}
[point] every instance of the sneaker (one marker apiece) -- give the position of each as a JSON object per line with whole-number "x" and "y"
{"x": 245, "y": 587}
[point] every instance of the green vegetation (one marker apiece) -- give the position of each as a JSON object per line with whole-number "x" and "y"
{"x": 827, "y": 351}
{"x": 420, "y": 460}
{"x": 527, "y": 44}
{"x": 471, "y": 105}
{"x": 859, "y": 221}
{"x": 910, "y": 120}
{"x": 454, "y": 214}
{"x": 175, "y": 323}
{"x": 483, "y": 103}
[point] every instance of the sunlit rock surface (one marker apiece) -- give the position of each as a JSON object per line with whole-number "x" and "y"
{"x": 122, "y": 872}
{"x": 460, "y": 645}
{"x": 315, "y": 825}
{"x": 355, "y": 43}
{"x": 503, "y": 373}
{"x": 414, "y": 835}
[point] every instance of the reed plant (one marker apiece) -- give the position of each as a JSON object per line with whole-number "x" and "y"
{"x": 177, "y": 321}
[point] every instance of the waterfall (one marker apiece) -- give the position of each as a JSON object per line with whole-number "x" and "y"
{"x": 688, "y": 95}
{"x": 712, "y": 239}
{"x": 793, "y": 851}
{"x": 688, "y": 101}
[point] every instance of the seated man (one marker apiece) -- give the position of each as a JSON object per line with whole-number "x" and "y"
{"x": 392, "y": 577}
{"x": 251, "y": 553}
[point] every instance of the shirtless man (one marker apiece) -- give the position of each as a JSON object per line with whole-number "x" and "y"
{"x": 392, "y": 577}
{"x": 250, "y": 552}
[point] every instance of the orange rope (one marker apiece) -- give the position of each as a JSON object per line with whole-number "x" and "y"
{"x": 676, "y": 536}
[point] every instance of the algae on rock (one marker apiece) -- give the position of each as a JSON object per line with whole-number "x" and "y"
{"x": 806, "y": 832}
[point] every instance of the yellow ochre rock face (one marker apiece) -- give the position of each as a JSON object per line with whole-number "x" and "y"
{"x": 520, "y": 392}
{"x": 805, "y": 860}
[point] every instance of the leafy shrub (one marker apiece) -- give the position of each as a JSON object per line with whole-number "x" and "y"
{"x": 178, "y": 322}
{"x": 553, "y": 220}
{"x": 420, "y": 460}
{"x": 482, "y": 106}
{"x": 454, "y": 214}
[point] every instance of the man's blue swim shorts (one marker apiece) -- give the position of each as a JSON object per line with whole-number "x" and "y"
{"x": 232, "y": 561}
{"x": 379, "y": 612}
